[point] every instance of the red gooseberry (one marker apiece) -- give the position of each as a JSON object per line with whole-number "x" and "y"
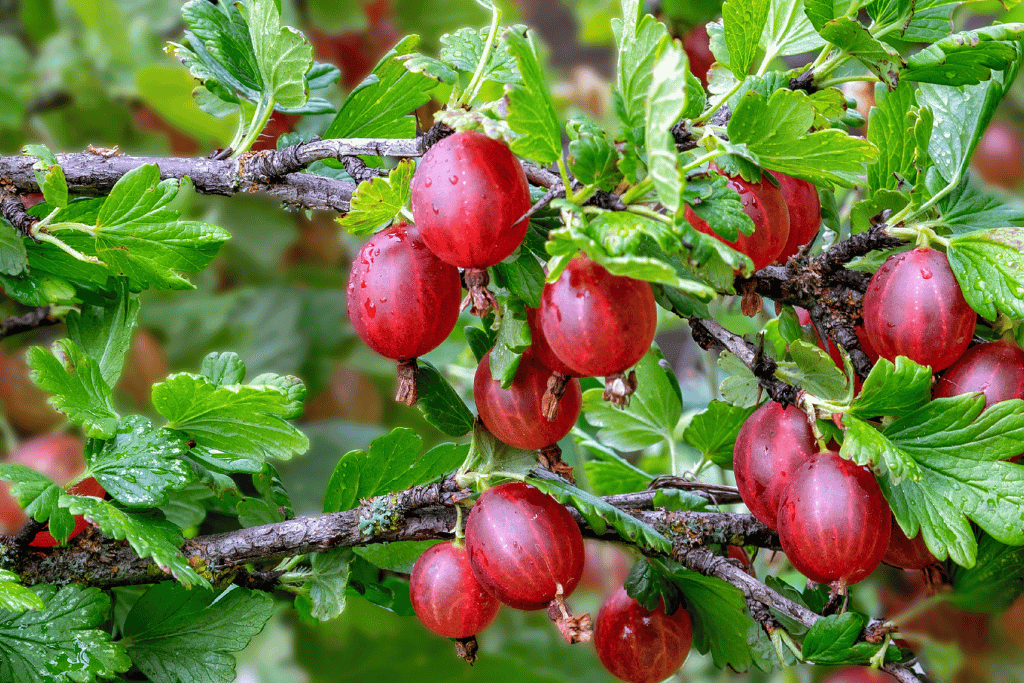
{"x": 766, "y": 206}
{"x": 523, "y": 546}
{"x": 834, "y": 522}
{"x": 804, "y": 213}
{"x": 598, "y": 324}
{"x": 999, "y": 157}
{"x": 58, "y": 456}
{"x": 772, "y": 443}
{"x": 86, "y": 487}
{"x": 446, "y": 596}
{"x": 402, "y": 300}
{"x": 914, "y": 307}
{"x": 514, "y": 415}
{"x": 907, "y": 553}
{"x": 641, "y": 645}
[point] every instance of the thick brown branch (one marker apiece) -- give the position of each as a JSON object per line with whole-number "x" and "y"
{"x": 34, "y": 319}
{"x": 278, "y": 163}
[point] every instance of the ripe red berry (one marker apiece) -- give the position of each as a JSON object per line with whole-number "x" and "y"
{"x": 999, "y": 158}
{"x": 515, "y": 415}
{"x": 907, "y": 553}
{"x": 914, "y": 308}
{"x": 834, "y": 522}
{"x": 402, "y": 300}
{"x": 523, "y": 546}
{"x": 86, "y": 487}
{"x": 540, "y": 347}
{"x": 641, "y": 645}
{"x": 446, "y": 596}
{"x": 598, "y": 324}
{"x": 765, "y": 205}
{"x": 468, "y": 194}
{"x": 804, "y": 213}
{"x": 771, "y": 444}
{"x": 996, "y": 369}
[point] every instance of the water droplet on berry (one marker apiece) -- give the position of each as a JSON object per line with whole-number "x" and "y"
{"x": 370, "y": 308}
{"x": 427, "y": 182}
{"x": 454, "y": 179}
{"x": 926, "y": 274}
{"x": 434, "y": 208}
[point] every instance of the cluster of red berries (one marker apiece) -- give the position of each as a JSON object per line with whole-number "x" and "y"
{"x": 786, "y": 217}
{"x": 469, "y": 198}
{"x": 525, "y": 550}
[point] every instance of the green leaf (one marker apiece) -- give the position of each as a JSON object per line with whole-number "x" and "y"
{"x": 223, "y": 368}
{"x": 463, "y": 50}
{"x": 13, "y": 256}
{"x": 865, "y": 445}
{"x": 788, "y": 31}
{"x": 141, "y": 464}
{"x": 49, "y": 175}
{"x": 531, "y": 113}
{"x": 744, "y": 22}
{"x": 524, "y": 277}
{"x": 960, "y": 451}
{"x": 282, "y": 53}
{"x": 440, "y": 404}
{"x": 139, "y": 237}
{"x": 243, "y": 420}
{"x": 990, "y": 269}
{"x": 397, "y": 557}
{"x": 891, "y": 129}
{"x": 967, "y": 209}
{"x": 650, "y": 584}
{"x": 17, "y": 598}
{"x": 378, "y": 201}
{"x": 718, "y": 205}
{"x": 777, "y": 131}
{"x": 609, "y": 473}
{"x": 381, "y": 104}
{"x": 719, "y": 614}
{"x": 639, "y": 44}
{"x": 513, "y": 339}
{"x": 652, "y": 413}
{"x": 960, "y": 114}
{"x": 666, "y": 101}
{"x": 893, "y": 389}
{"x": 713, "y": 432}
{"x": 174, "y": 635}
{"x": 63, "y": 642}
{"x": 995, "y": 581}
{"x": 40, "y": 496}
{"x": 149, "y": 538}
{"x": 966, "y": 58}
{"x": 327, "y": 583}
{"x": 392, "y": 463}
{"x": 833, "y": 640}
{"x": 881, "y": 59}
{"x": 104, "y": 333}
{"x": 817, "y": 373}
{"x": 593, "y": 157}
{"x": 600, "y": 515}
{"x": 76, "y": 382}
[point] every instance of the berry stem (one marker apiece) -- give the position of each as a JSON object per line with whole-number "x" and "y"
{"x": 477, "y": 81}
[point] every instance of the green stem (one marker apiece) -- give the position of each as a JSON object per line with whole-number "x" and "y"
{"x": 832, "y": 82}
{"x": 563, "y": 171}
{"x": 650, "y": 213}
{"x": 718, "y": 103}
{"x": 638, "y": 190}
{"x": 700, "y": 161}
{"x": 672, "y": 454}
{"x": 45, "y": 237}
{"x": 81, "y": 227}
{"x": 260, "y": 118}
{"x": 477, "y": 81}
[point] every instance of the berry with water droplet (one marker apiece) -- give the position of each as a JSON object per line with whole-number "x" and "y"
{"x": 641, "y": 645}
{"x": 914, "y": 307}
{"x": 402, "y": 300}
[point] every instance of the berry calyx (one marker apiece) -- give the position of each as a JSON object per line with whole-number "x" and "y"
{"x": 599, "y": 324}
{"x": 766, "y": 206}
{"x": 804, "y": 213}
{"x": 469, "y": 194}
{"x": 560, "y": 372}
{"x": 834, "y": 522}
{"x": 641, "y": 645}
{"x": 772, "y": 443}
{"x": 402, "y": 300}
{"x": 446, "y": 596}
{"x": 914, "y": 308}
{"x": 515, "y": 415}
{"x": 523, "y": 546}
